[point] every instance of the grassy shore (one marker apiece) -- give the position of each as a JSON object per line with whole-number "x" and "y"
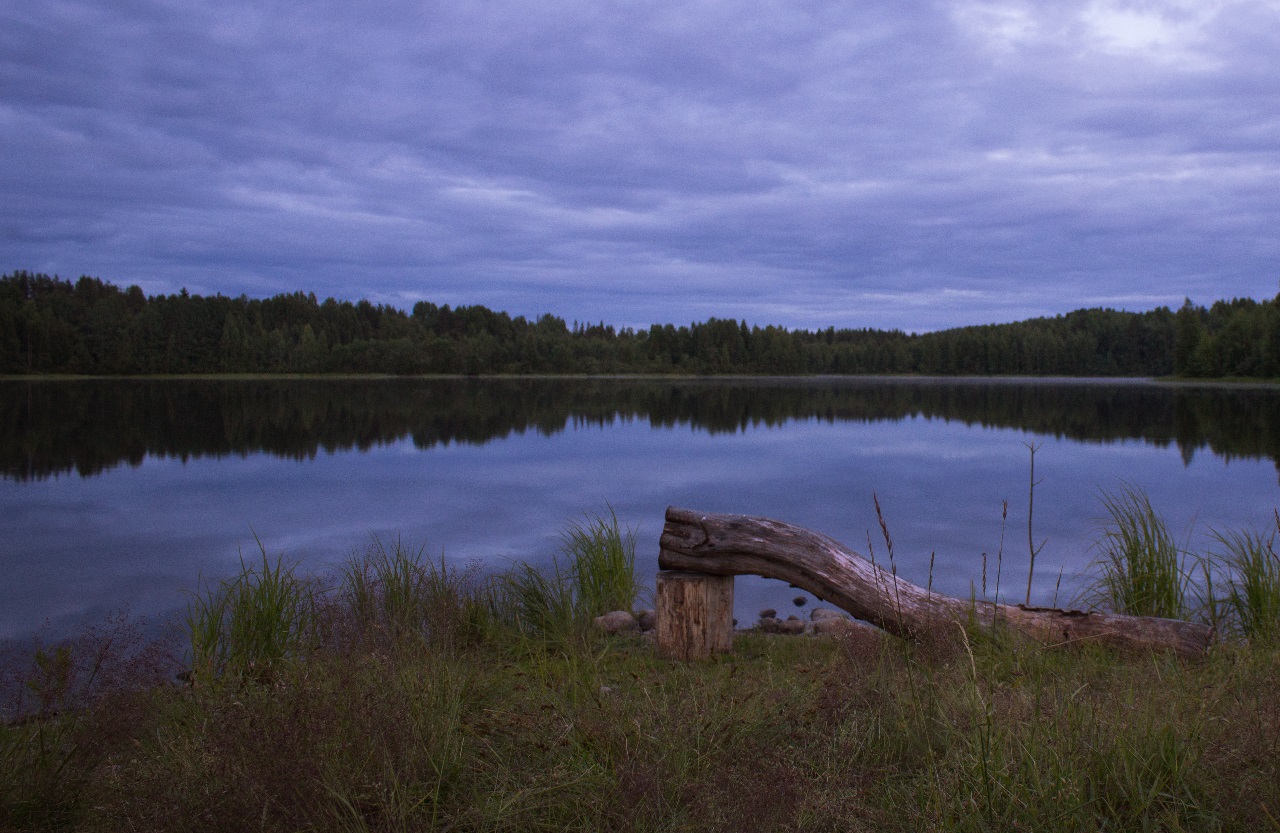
{"x": 405, "y": 695}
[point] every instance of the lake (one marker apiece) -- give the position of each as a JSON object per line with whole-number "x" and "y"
{"x": 126, "y": 493}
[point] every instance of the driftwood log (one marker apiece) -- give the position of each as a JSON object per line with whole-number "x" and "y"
{"x": 731, "y": 545}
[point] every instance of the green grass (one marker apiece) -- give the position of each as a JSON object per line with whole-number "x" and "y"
{"x": 1141, "y": 571}
{"x": 247, "y": 627}
{"x": 1140, "y": 566}
{"x": 405, "y": 695}
{"x": 552, "y": 608}
{"x": 784, "y": 734}
{"x": 1252, "y": 599}
{"x": 602, "y": 563}
{"x": 391, "y": 591}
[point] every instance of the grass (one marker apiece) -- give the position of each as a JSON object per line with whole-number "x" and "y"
{"x": 1252, "y": 601}
{"x": 405, "y": 695}
{"x": 391, "y": 592}
{"x": 1142, "y": 571}
{"x": 602, "y": 559}
{"x": 249, "y": 626}
{"x": 553, "y": 608}
{"x": 1140, "y": 567}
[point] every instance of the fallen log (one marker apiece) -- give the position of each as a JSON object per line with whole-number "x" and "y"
{"x": 743, "y": 545}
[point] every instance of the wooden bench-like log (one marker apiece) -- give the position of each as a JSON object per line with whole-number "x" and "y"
{"x": 742, "y": 545}
{"x": 695, "y": 614}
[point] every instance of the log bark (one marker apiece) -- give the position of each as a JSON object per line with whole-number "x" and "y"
{"x": 695, "y": 614}
{"x": 743, "y": 545}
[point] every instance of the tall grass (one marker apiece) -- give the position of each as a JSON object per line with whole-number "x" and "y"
{"x": 1252, "y": 599}
{"x": 392, "y": 589}
{"x": 247, "y": 626}
{"x": 538, "y": 604}
{"x": 594, "y": 574}
{"x": 1140, "y": 566}
{"x": 1142, "y": 571}
{"x": 602, "y": 559}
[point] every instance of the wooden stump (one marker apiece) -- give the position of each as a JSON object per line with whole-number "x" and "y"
{"x": 695, "y": 614}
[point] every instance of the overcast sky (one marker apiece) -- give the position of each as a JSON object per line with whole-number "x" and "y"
{"x": 872, "y": 163}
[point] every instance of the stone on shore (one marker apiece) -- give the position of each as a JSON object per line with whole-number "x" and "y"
{"x": 617, "y": 621}
{"x": 833, "y": 626}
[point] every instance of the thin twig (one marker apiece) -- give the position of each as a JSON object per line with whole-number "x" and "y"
{"x": 1031, "y": 505}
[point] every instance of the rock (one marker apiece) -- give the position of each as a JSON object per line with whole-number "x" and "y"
{"x": 820, "y": 613}
{"x": 833, "y": 626}
{"x": 845, "y": 627}
{"x": 768, "y": 613}
{"x": 791, "y": 627}
{"x": 799, "y": 601}
{"x": 647, "y": 619}
{"x": 617, "y": 621}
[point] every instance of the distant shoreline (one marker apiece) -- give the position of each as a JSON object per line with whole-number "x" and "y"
{"x": 1173, "y": 381}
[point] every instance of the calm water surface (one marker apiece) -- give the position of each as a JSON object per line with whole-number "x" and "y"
{"x": 126, "y": 493}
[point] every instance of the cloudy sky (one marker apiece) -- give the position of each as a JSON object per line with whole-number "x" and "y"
{"x": 882, "y": 163}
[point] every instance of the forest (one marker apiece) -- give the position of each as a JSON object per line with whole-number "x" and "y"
{"x": 92, "y": 327}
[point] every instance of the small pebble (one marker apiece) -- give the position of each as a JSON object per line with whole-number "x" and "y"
{"x": 799, "y": 601}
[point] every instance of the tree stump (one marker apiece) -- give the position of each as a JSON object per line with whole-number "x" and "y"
{"x": 695, "y": 614}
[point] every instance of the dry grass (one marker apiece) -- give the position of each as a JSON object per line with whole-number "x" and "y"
{"x": 787, "y": 733}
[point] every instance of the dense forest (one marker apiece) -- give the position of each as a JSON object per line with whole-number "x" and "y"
{"x": 49, "y": 325}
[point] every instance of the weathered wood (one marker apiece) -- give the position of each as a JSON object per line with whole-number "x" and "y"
{"x": 695, "y": 614}
{"x": 741, "y": 545}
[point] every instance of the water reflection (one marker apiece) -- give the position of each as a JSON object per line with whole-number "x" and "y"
{"x": 87, "y": 427}
{"x": 491, "y": 470}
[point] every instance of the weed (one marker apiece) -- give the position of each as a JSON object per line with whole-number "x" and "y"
{"x": 1032, "y": 548}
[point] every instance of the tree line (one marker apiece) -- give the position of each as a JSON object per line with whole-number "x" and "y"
{"x": 93, "y": 327}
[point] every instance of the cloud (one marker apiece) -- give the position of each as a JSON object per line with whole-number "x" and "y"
{"x": 807, "y": 164}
